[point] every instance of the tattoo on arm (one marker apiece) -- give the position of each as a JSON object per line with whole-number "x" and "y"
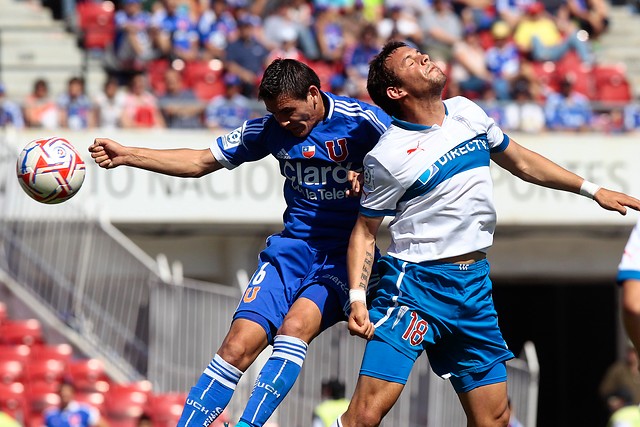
{"x": 366, "y": 270}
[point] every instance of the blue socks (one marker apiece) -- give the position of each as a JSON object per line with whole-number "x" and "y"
{"x": 275, "y": 380}
{"x": 211, "y": 394}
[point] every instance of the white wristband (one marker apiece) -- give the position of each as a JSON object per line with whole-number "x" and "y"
{"x": 589, "y": 189}
{"x": 358, "y": 295}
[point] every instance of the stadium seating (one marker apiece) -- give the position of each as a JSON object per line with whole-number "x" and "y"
{"x": 204, "y": 78}
{"x": 88, "y": 375}
{"x": 39, "y": 397}
{"x": 20, "y": 353}
{"x": 96, "y": 23}
{"x": 95, "y": 399}
{"x": 155, "y": 73}
{"x": 11, "y": 371}
{"x": 48, "y": 371}
{"x": 611, "y": 84}
{"x": 571, "y": 67}
{"x": 166, "y": 408}
{"x": 44, "y": 351}
{"x": 125, "y": 403}
{"x": 27, "y": 331}
{"x": 3, "y": 312}
{"x": 13, "y": 402}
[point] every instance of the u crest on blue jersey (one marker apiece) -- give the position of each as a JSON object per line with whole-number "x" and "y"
{"x": 340, "y": 154}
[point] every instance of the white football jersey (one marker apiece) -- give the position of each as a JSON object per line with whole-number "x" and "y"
{"x": 435, "y": 180}
{"x": 629, "y": 267}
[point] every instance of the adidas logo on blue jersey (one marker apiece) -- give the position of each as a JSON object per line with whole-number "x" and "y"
{"x": 282, "y": 154}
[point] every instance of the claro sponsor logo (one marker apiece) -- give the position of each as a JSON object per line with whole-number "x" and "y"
{"x": 310, "y": 180}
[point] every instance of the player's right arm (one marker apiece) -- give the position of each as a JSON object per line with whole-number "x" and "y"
{"x": 360, "y": 259}
{"x": 182, "y": 162}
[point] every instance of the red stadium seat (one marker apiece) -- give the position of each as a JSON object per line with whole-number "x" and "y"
{"x": 11, "y": 371}
{"x": 96, "y": 22}
{"x": 204, "y": 78}
{"x": 4, "y": 314}
{"x": 13, "y": 402}
{"x": 27, "y": 332}
{"x": 125, "y": 403}
{"x": 571, "y": 67}
{"x": 20, "y": 353}
{"x": 95, "y": 399}
{"x": 611, "y": 84}
{"x": 48, "y": 371}
{"x": 166, "y": 408}
{"x": 155, "y": 72}
{"x": 61, "y": 352}
{"x": 88, "y": 375}
{"x": 546, "y": 73}
{"x": 41, "y": 396}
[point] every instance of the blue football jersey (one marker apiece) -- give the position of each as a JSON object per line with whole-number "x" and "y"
{"x": 315, "y": 167}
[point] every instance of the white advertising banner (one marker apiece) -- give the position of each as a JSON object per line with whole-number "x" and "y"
{"x": 252, "y": 193}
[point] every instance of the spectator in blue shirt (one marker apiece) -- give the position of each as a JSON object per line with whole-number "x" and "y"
{"x": 132, "y": 44}
{"x": 357, "y": 62}
{"x": 246, "y": 56}
{"x": 632, "y": 117}
{"x": 217, "y": 28}
{"x": 71, "y": 413}
{"x": 76, "y": 109}
{"x": 568, "y": 110}
{"x": 503, "y": 60}
{"x": 230, "y": 110}
{"x": 174, "y": 32}
{"x": 10, "y": 112}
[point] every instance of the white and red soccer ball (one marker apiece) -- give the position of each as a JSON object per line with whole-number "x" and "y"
{"x": 50, "y": 170}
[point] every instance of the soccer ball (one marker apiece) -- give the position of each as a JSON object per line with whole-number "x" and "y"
{"x": 50, "y": 170}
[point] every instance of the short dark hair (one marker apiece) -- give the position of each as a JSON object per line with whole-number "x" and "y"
{"x": 287, "y": 77}
{"x": 381, "y": 77}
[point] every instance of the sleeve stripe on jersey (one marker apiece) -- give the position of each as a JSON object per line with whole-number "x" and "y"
{"x": 503, "y": 145}
{"x": 376, "y": 213}
{"x": 628, "y": 274}
{"x": 354, "y": 109}
{"x": 252, "y": 128}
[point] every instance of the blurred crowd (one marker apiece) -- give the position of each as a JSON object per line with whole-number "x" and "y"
{"x": 197, "y": 63}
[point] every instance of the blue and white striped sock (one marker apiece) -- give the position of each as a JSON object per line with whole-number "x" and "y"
{"x": 275, "y": 380}
{"x": 211, "y": 394}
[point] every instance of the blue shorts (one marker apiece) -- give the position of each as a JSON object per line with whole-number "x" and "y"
{"x": 445, "y": 309}
{"x": 289, "y": 269}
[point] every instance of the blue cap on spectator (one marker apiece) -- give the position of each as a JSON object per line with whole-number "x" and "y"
{"x": 231, "y": 79}
{"x": 131, "y": 1}
{"x": 249, "y": 20}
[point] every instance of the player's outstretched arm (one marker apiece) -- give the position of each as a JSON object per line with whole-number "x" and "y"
{"x": 616, "y": 201}
{"x": 360, "y": 259}
{"x": 534, "y": 168}
{"x": 182, "y": 162}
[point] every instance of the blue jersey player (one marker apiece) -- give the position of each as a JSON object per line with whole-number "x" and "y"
{"x": 300, "y": 287}
{"x": 430, "y": 171}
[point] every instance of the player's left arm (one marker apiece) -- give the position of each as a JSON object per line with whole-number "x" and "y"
{"x": 537, "y": 169}
{"x": 360, "y": 259}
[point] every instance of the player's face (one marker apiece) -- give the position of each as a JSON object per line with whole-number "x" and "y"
{"x": 298, "y": 116}
{"x": 419, "y": 75}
